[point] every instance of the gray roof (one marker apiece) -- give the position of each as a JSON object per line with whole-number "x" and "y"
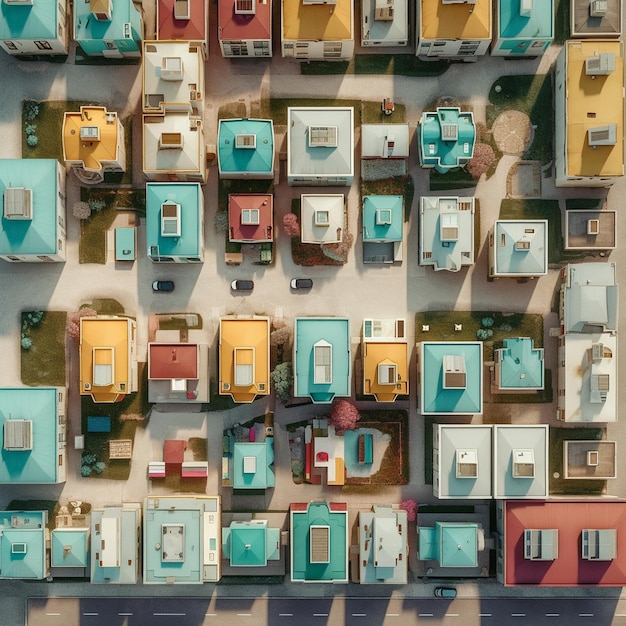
{"x": 375, "y": 136}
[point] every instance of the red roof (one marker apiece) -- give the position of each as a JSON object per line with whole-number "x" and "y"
{"x": 234, "y": 26}
{"x": 570, "y": 518}
{"x": 173, "y": 360}
{"x": 193, "y": 29}
{"x": 264, "y": 230}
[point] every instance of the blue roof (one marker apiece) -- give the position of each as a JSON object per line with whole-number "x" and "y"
{"x": 309, "y": 331}
{"x": 437, "y": 399}
{"x": 537, "y": 25}
{"x": 263, "y": 453}
{"x": 258, "y": 160}
{"x": 189, "y": 197}
{"x": 458, "y": 544}
{"x": 37, "y": 236}
{"x": 377, "y": 212}
{"x": 69, "y": 547}
{"x": 39, "y": 465}
{"x": 22, "y": 544}
{"x": 29, "y": 21}
{"x": 521, "y": 364}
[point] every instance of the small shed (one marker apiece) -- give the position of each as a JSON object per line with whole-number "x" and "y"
{"x": 125, "y": 244}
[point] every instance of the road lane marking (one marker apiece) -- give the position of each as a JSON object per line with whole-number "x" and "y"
{"x": 359, "y": 614}
{"x": 484, "y": 614}
{"x": 585, "y": 615}
{"x": 518, "y": 614}
{"x": 285, "y": 615}
{"x": 320, "y": 614}
{"x": 169, "y": 614}
{"x": 210, "y": 615}
{"x": 121, "y": 614}
{"x": 452, "y": 614}
{"x": 425, "y": 614}
{"x": 53, "y": 614}
{"x": 392, "y": 614}
{"x": 90, "y": 614}
{"x": 552, "y": 614}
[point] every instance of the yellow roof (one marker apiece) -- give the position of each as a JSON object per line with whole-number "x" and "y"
{"x": 244, "y": 358}
{"x": 383, "y": 353}
{"x": 456, "y": 21}
{"x": 105, "y": 344}
{"x": 313, "y": 22}
{"x": 91, "y": 152}
{"x": 590, "y": 103}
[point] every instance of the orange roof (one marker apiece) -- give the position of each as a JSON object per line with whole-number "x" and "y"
{"x": 385, "y": 354}
{"x": 317, "y": 22}
{"x": 456, "y": 21}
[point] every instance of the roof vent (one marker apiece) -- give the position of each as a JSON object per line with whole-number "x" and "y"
{"x": 525, "y": 8}
{"x": 245, "y": 7}
{"x": 322, "y": 218}
{"x": 18, "y": 203}
{"x": 598, "y": 8}
{"x": 522, "y": 245}
{"x": 18, "y": 435}
{"x": 19, "y": 547}
{"x": 322, "y": 362}
{"x": 603, "y": 135}
{"x": 454, "y": 372}
{"x": 449, "y": 226}
{"x": 383, "y": 11}
{"x": 182, "y": 9}
{"x": 600, "y": 64}
{"x": 250, "y": 216}
{"x": 600, "y": 384}
{"x": 245, "y": 140}
{"x": 466, "y": 463}
{"x": 523, "y": 463}
{"x": 541, "y": 544}
{"x": 171, "y": 141}
{"x": 450, "y": 132}
{"x": 322, "y": 136}
{"x": 599, "y": 545}
{"x": 383, "y": 217}
{"x": 170, "y": 219}
{"x": 172, "y": 68}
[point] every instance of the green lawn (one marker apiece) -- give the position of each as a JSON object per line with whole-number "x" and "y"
{"x": 538, "y": 209}
{"x": 44, "y": 363}
{"x": 217, "y": 401}
{"x": 232, "y": 110}
{"x": 590, "y": 204}
{"x": 390, "y": 64}
{"x": 397, "y": 186}
{"x": 371, "y": 113}
{"x": 225, "y": 187}
{"x": 561, "y": 21}
{"x": 455, "y": 179}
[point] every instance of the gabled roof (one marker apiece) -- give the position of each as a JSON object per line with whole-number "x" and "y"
{"x": 23, "y": 544}
{"x": 235, "y": 159}
{"x": 455, "y": 21}
{"x": 69, "y": 547}
{"x": 383, "y": 218}
{"x": 314, "y": 22}
{"x": 232, "y": 25}
{"x": 193, "y": 29}
{"x": 29, "y": 21}
{"x": 520, "y": 248}
{"x": 253, "y": 464}
{"x": 538, "y": 25}
{"x": 520, "y": 365}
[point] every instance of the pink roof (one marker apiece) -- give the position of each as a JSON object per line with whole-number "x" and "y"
{"x": 264, "y": 230}
{"x": 233, "y": 26}
{"x": 570, "y": 518}
{"x": 173, "y": 360}
{"x": 193, "y": 29}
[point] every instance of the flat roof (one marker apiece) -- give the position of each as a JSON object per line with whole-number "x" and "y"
{"x": 393, "y": 30}
{"x": 232, "y": 25}
{"x": 520, "y": 247}
{"x": 576, "y": 459}
{"x": 455, "y": 21}
{"x": 233, "y": 159}
{"x": 580, "y": 234}
{"x": 316, "y": 22}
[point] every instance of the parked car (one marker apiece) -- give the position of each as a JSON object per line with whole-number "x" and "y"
{"x": 163, "y": 285}
{"x": 445, "y": 592}
{"x": 301, "y": 283}
{"x": 242, "y": 285}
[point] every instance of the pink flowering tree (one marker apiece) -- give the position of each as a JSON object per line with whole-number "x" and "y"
{"x": 291, "y": 226}
{"x": 344, "y": 415}
{"x": 73, "y": 322}
{"x": 410, "y": 506}
{"x": 482, "y": 160}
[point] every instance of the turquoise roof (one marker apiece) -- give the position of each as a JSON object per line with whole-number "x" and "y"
{"x": 69, "y": 547}
{"x": 319, "y": 514}
{"x": 188, "y": 196}
{"x": 441, "y": 153}
{"x": 521, "y": 364}
{"x": 91, "y": 33}
{"x": 263, "y": 453}
{"x": 39, "y": 465}
{"x": 458, "y": 544}
{"x": 22, "y": 544}
{"x": 537, "y": 25}
{"x": 125, "y": 244}
{"x": 29, "y": 21}
{"x": 308, "y": 331}
{"x": 258, "y": 160}
{"x": 37, "y": 236}
{"x": 438, "y": 400}
{"x": 390, "y": 208}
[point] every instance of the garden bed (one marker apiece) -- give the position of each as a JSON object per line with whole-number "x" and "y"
{"x": 43, "y": 364}
{"x": 389, "y": 64}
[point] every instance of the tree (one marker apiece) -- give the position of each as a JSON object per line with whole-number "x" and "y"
{"x": 291, "y": 226}
{"x": 410, "y": 506}
{"x": 73, "y": 322}
{"x": 482, "y": 160}
{"x": 282, "y": 377}
{"x": 280, "y": 336}
{"x": 81, "y": 210}
{"x": 221, "y": 221}
{"x": 344, "y": 415}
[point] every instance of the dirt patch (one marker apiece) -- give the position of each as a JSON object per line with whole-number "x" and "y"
{"x": 524, "y": 180}
{"x": 512, "y": 132}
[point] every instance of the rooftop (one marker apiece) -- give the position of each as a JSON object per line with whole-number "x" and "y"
{"x": 245, "y": 147}
{"x": 519, "y": 364}
{"x": 539, "y": 24}
{"x": 23, "y": 544}
{"x": 69, "y": 547}
{"x": 168, "y": 26}
{"x": 316, "y": 22}
{"x": 582, "y": 24}
{"x": 233, "y": 25}
{"x": 168, "y": 361}
{"x": 455, "y": 21}
{"x": 250, "y": 543}
{"x": 386, "y": 30}
{"x": 251, "y": 217}
{"x": 590, "y": 229}
{"x": 322, "y": 217}
{"x": 520, "y": 248}
{"x": 383, "y": 218}
{"x": 29, "y": 21}
{"x": 253, "y": 464}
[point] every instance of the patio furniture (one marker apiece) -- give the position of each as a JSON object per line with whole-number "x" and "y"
{"x": 120, "y": 448}
{"x": 156, "y": 469}
{"x": 194, "y": 469}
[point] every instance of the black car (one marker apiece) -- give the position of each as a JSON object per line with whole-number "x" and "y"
{"x": 163, "y": 285}
{"x": 301, "y": 283}
{"x": 242, "y": 285}
{"x": 445, "y": 592}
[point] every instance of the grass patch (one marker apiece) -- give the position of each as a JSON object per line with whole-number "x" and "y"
{"x": 390, "y": 64}
{"x": 561, "y": 21}
{"x": 397, "y": 186}
{"x": 531, "y": 94}
{"x": 230, "y": 186}
{"x": 589, "y": 204}
{"x": 543, "y": 395}
{"x": 44, "y": 363}
{"x": 485, "y": 136}
{"x": 217, "y": 401}
{"x": 106, "y": 306}
{"x": 371, "y": 113}
{"x": 455, "y": 179}
{"x": 538, "y": 209}
{"x": 276, "y": 108}
{"x": 179, "y": 322}
{"x": 232, "y": 110}
{"x": 442, "y": 323}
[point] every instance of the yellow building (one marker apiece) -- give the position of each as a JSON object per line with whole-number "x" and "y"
{"x": 93, "y": 143}
{"x": 108, "y": 357}
{"x": 589, "y": 113}
{"x": 244, "y": 358}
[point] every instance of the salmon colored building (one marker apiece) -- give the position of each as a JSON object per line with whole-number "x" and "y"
{"x": 183, "y": 20}
{"x": 244, "y": 28}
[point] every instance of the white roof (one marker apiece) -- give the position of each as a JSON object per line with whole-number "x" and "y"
{"x": 374, "y": 138}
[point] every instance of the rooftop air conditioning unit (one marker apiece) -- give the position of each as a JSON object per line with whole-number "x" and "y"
{"x": 600, "y": 64}
{"x": 603, "y": 135}
{"x": 383, "y": 11}
{"x": 597, "y": 351}
{"x": 262, "y": 386}
{"x": 182, "y": 9}
{"x": 322, "y": 136}
{"x": 172, "y": 68}
{"x": 466, "y": 463}
{"x": 18, "y": 204}
{"x": 522, "y": 245}
{"x": 246, "y": 141}
{"x": 598, "y": 8}
{"x": 90, "y": 133}
{"x": 170, "y": 219}
{"x": 593, "y": 227}
{"x": 127, "y": 30}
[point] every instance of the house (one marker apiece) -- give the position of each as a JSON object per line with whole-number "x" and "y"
{"x": 383, "y": 545}
{"x": 319, "y": 542}
{"x": 590, "y": 18}
{"x": 593, "y": 459}
{"x": 320, "y": 142}
{"x": 590, "y": 229}
{"x": 245, "y": 148}
{"x": 251, "y": 217}
{"x": 183, "y": 20}
{"x": 462, "y": 461}
{"x": 384, "y": 351}
{"x": 384, "y": 23}
{"x": 182, "y": 539}
{"x": 244, "y": 28}
{"x": 174, "y": 148}
{"x": 452, "y": 545}
{"x": 322, "y": 217}
{"x": 253, "y": 464}
{"x": 561, "y": 543}
{"x": 587, "y": 353}
{"x": 33, "y": 210}
{"x": 174, "y": 222}
{"x": 321, "y": 358}
{"x": 384, "y": 150}
{"x": 382, "y": 223}
{"x": 519, "y": 365}
{"x": 316, "y": 29}
{"x": 173, "y": 77}
{"x": 108, "y": 357}
{"x": 589, "y": 113}
{"x": 446, "y": 138}
{"x": 112, "y": 29}
{"x": 522, "y": 27}
{"x": 93, "y": 143}
{"x": 451, "y": 377}
{"x": 458, "y": 29}
{"x": 518, "y": 249}
{"x": 250, "y": 544}
{"x": 115, "y": 544}
{"x": 447, "y": 232}
{"x": 69, "y": 552}
{"x": 33, "y": 423}
{"x": 34, "y": 28}
{"x": 23, "y": 550}
{"x": 244, "y": 357}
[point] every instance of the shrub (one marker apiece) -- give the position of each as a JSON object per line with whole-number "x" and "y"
{"x": 26, "y": 343}
{"x": 85, "y": 470}
{"x": 338, "y": 251}
{"x": 81, "y": 210}
{"x": 30, "y": 129}
{"x": 280, "y": 336}
{"x": 290, "y": 225}
{"x": 282, "y": 377}
{"x": 221, "y": 221}
{"x": 31, "y": 110}
{"x": 89, "y": 459}
{"x": 96, "y": 205}
{"x": 344, "y": 415}
{"x": 72, "y": 327}
{"x": 32, "y": 140}
{"x": 506, "y": 327}
{"x": 487, "y": 322}
{"x": 99, "y": 467}
{"x": 482, "y": 160}
{"x": 410, "y": 506}
{"x": 482, "y": 334}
